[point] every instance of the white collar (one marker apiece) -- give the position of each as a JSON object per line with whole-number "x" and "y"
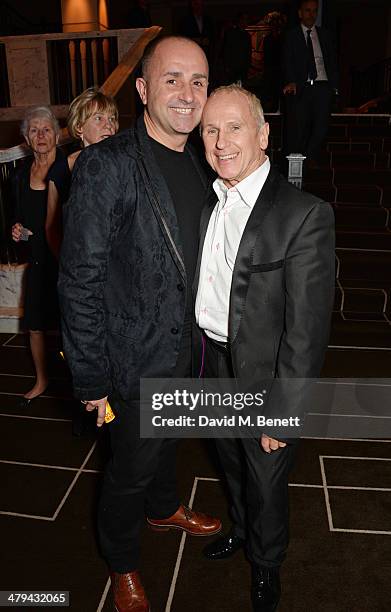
{"x": 248, "y": 189}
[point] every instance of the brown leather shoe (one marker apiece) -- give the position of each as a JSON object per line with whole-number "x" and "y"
{"x": 195, "y": 523}
{"x": 128, "y": 592}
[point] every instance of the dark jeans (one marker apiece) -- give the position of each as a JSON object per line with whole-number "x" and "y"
{"x": 140, "y": 480}
{"x": 257, "y": 482}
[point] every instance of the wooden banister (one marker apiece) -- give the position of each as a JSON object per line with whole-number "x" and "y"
{"x": 117, "y": 78}
{"x": 110, "y": 87}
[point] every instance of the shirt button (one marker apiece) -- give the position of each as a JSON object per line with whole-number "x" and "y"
{"x": 210, "y": 279}
{"x": 180, "y": 287}
{"x": 174, "y": 330}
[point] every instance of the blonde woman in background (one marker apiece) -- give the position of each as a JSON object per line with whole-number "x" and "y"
{"x": 92, "y": 117}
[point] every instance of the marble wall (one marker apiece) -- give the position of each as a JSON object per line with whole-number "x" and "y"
{"x": 27, "y": 62}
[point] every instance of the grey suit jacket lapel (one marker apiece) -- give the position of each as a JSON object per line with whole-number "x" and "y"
{"x": 241, "y": 271}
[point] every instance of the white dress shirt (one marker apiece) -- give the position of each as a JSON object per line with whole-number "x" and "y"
{"x": 225, "y": 230}
{"x": 320, "y": 69}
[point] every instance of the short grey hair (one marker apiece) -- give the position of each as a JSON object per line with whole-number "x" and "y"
{"x": 253, "y": 102}
{"x": 42, "y": 112}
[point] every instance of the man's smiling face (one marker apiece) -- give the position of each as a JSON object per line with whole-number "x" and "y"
{"x": 234, "y": 140}
{"x": 175, "y": 88}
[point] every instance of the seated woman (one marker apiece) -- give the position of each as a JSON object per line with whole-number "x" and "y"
{"x": 92, "y": 117}
{"x": 41, "y": 131}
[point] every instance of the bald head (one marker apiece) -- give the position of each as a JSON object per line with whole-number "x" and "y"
{"x": 160, "y": 43}
{"x": 173, "y": 88}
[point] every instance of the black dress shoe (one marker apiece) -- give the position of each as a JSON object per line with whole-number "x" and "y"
{"x": 223, "y": 547}
{"x": 265, "y": 589}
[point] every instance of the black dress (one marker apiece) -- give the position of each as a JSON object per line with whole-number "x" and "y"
{"x": 40, "y": 303}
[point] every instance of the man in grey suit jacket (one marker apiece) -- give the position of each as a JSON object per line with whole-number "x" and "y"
{"x": 264, "y": 300}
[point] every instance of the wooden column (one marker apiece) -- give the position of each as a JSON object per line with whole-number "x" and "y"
{"x": 84, "y": 15}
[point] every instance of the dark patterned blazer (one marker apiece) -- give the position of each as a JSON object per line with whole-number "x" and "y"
{"x": 122, "y": 282}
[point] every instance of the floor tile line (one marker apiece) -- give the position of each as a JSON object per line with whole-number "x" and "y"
{"x": 50, "y": 467}
{"x": 353, "y": 457}
{"x": 180, "y": 554}
{"x": 326, "y": 494}
{"x": 346, "y": 439}
{"x": 34, "y": 418}
{"x": 28, "y": 516}
{"x": 57, "y": 397}
{"x": 17, "y": 346}
{"x": 306, "y": 486}
{"x": 9, "y": 339}
{"x": 355, "y": 383}
{"x": 104, "y": 596}
{"x": 349, "y": 416}
{"x": 32, "y": 376}
{"x": 367, "y": 531}
{"x": 74, "y": 481}
{"x": 346, "y": 488}
{"x": 359, "y": 348}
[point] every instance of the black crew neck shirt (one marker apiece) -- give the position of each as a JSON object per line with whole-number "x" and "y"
{"x": 187, "y": 191}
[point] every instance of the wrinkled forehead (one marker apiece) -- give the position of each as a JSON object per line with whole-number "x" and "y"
{"x": 40, "y": 121}
{"x": 226, "y": 106}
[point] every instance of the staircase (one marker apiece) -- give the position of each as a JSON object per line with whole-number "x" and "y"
{"x": 355, "y": 177}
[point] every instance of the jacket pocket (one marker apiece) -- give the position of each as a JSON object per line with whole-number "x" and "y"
{"x": 267, "y": 267}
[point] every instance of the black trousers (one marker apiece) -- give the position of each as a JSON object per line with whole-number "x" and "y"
{"x": 308, "y": 116}
{"x": 140, "y": 479}
{"x": 257, "y": 482}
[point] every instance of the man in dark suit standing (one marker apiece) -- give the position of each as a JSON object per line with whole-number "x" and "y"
{"x": 198, "y": 26}
{"x": 127, "y": 266}
{"x": 310, "y": 80}
{"x": 264, "y": 300}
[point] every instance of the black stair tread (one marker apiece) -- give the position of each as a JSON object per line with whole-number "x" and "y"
{"x": 363, "y": 316}
{"x": 369, "y": 131}
{"x": 360, "y": 119}
{"x": 364, "y": 266}
{"x": 358, "y": 218}
{"x": 348, "y": 145}
{"x": 353, "y": 240}
{"x": 360, "y": 240}
{"x": 354, "y": 283}
{"x": 366, "y": 194}
{"x": 359, "y": 333}
{"x": 361, "y": 300}
{"x": 370, "y": 177}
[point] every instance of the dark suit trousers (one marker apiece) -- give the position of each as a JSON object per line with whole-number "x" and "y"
{"x": 257, "y": 483}
{"x": 308, "y": 119}
{"x": 140, "y": 480}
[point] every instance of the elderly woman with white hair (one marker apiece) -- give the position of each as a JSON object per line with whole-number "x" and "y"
{"x": 41, "y": 132}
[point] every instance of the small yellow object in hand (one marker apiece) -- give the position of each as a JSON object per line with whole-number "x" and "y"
{"x": 109, "y": 416}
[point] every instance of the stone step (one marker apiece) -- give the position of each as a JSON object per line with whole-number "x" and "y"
{"x": 381, "y": 178}
{"x": 374, "y": 239}
{"x": 364, "y": 266}
{"x": 362, "y": 194}
{"x": 360, "y": 332}
{"x": 360, "y": 299}
{"x": 352, "y": 217}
